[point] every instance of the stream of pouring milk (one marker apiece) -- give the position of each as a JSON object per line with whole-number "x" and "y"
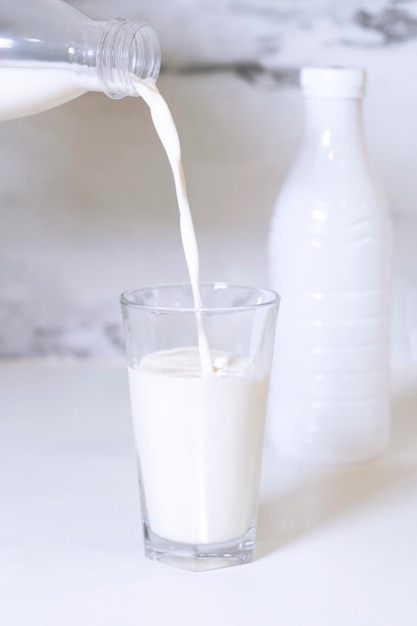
{"x": 167, "y": 132}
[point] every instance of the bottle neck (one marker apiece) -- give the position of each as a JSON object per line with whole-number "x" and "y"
{"x": 333, "y": 122}
{"x": 117, "y": 53}
{"x": 127, "y": 51}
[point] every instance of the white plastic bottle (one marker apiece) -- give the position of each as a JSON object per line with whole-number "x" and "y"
{"x": 329, "y": 255}
{"x": 51, "y": 53}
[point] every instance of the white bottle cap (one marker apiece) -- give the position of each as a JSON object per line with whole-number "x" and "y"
{"x": 333, "y": 82}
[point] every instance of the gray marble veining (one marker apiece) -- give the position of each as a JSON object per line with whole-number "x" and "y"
{"x": 86, "y": 199}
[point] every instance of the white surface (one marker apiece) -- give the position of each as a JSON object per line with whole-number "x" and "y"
{"x": 334, "y": 547}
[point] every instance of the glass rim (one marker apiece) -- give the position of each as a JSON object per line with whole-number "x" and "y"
{"x": 274, "y": 298}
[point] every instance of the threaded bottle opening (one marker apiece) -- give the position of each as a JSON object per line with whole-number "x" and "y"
{"x": 127, "y": 51}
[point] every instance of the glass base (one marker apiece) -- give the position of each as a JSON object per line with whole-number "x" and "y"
{"x": 200, "y": 557}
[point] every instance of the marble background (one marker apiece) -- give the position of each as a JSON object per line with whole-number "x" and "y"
{"x": 86, "y": 198}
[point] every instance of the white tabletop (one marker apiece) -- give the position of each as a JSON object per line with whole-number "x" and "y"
{"x": 335, "y": 547}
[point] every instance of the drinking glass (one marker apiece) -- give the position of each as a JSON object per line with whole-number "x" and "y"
{"x": 199, "y": 434}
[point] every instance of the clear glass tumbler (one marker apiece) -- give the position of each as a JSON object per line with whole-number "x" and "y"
{"x": 199, "y": 435}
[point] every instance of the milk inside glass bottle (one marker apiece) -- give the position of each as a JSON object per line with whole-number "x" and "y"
{"x": 329, "y": 258}
{"x": 51, "y": 53}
